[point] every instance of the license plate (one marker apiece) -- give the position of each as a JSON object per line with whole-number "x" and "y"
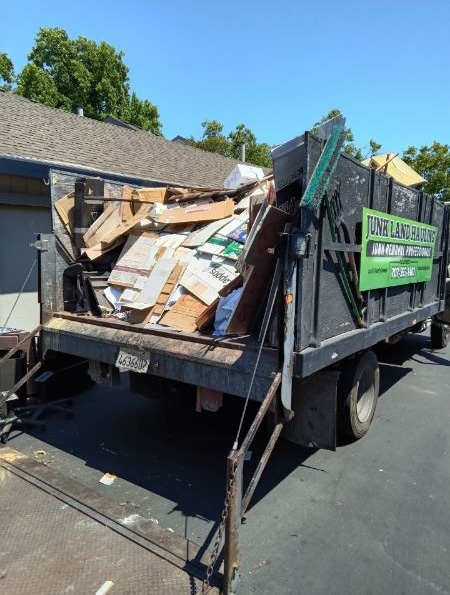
{"x": 130, "y": 362}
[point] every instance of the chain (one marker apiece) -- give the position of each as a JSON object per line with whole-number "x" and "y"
{"x": 216, "y": 549}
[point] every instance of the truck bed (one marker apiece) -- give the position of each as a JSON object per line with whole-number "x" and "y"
{"x": 218, "y": 364}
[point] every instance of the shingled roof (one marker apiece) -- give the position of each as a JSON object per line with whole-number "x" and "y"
{"x": 47, "y": 135}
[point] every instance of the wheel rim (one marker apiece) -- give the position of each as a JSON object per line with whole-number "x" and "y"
{"x": 365, "y": 396}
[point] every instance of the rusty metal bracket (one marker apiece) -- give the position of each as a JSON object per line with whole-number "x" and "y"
{"x": 238, "y": 499}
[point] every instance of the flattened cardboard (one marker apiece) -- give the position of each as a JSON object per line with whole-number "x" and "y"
{"x": 137, "y": 258}
{"x": 151, "y": 194}
{"x": 200, "y": 212}
{"x": 167, "y": 290}
{"x": 65, "y": 208}
{"x": 184, "y": 313}
{"x": 207, "y": 316}
{"x": 108, "y": 220}
{"x": 264, "y": 234}
{"x": 196, "y": 284}
{"x": 221, "y": 246}
{"x": 99, "y": 249}
{"x": 142, "y": 212}
{"x": 202, "y": 235}
{"x": 154, "y": 284}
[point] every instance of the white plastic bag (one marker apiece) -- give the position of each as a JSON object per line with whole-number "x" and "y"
{"x": 224, "y": 311}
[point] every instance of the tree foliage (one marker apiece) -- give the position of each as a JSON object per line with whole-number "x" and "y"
{"x": 67, "y": 73}
{"x": 6, "y": 72}
{"x": 349, "y": 145}
{"x": 432, "y": 163}
{"x": 214, "y": 140}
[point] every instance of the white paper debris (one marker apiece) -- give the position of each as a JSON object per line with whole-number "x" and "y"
{"x": 112, "y": 294}
{"x": 104, "y": 588}
{"x": 108, "y": 479}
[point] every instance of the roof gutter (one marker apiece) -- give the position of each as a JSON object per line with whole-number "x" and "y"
{"x": 88, "y": 170}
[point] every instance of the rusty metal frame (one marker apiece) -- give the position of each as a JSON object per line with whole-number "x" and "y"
{"x": 240, "y": 500}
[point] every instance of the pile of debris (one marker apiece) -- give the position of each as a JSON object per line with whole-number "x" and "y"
{"x": 192, "y": 260}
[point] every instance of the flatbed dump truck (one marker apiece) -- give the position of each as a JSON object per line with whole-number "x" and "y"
{"x": 368, "y": 263}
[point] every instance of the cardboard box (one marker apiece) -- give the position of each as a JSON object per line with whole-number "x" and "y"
{"x": 243, "y": 174}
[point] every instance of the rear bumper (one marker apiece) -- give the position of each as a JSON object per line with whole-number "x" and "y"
{"x": 218, "y": 365}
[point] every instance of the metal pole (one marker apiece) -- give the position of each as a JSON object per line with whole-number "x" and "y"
{"x": 235, "y": 464}
{"x": 242, "y": 152}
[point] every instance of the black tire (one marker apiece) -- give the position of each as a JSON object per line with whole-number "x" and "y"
{"x": 358, "y": 389}
{"x": 440, "y": 334}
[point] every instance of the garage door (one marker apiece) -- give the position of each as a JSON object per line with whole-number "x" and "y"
{"x": 18, "y": 224}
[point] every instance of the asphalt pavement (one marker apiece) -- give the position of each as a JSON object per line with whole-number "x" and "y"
{"x": 371, "y": 518}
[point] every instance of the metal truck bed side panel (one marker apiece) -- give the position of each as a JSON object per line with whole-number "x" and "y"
{"x": 202, "y": 363}
{"x": 323, "y": 310}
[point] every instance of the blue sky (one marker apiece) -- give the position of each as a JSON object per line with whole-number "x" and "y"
{"x": 277, "y": 66}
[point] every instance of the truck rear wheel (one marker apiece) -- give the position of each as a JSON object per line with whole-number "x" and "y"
{"x": 358, "y": 388}
{"x": 440, "y": 334}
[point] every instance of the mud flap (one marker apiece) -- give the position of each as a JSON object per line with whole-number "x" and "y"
{"x": 445, "y": 315}
{"x": 314, "y": 402}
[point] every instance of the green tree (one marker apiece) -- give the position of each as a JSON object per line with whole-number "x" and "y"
{"x": 374, "y": 147}
{"x": 432, "y": 163}
{"x": 143, "y": 114}
{"x": 257, "y": 153}
{"x": 214, "y": 140}
{"x": 67, "y": 73}
{"x": 6, "y": 72}
{"x": 349, "y": 145}
{"x": 37, "y": 84}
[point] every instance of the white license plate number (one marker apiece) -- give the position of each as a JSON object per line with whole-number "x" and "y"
{"x": 130, "y": 362}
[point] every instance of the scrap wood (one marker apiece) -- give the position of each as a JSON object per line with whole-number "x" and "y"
{"x": 126, "y": 209}
{"x": 198, "y": 212}
{"x": 221, "y": 194}
{"x": 386, "y": 163}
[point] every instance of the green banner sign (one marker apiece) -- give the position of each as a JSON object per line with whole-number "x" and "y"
{"x": 394, "y": 250}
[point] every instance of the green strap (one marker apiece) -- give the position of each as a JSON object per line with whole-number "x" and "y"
{"x": 347, "y": 287}
{"x": 321, "y": 176}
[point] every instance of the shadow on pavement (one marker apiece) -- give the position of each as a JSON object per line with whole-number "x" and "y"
{"x": 167, "y": 448}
